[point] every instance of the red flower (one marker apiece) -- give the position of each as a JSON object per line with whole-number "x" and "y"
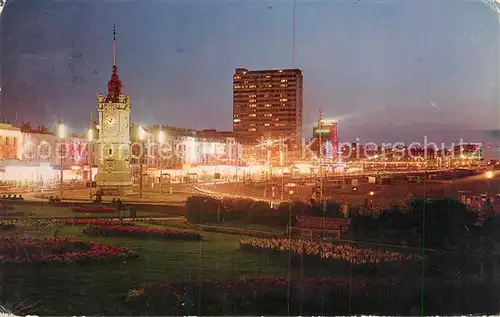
{"x": 39, "y": 251}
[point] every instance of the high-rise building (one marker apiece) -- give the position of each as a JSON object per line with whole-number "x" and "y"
{"x": 268, "y": 104}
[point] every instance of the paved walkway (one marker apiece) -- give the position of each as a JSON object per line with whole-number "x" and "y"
{"x": 82, "y": 196}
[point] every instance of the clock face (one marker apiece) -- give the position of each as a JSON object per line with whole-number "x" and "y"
{"x": 109, "y": 122}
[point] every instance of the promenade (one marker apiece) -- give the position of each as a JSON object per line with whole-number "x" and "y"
{"x": 83, "y": 196}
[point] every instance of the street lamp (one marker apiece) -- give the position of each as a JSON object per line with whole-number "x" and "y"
{"x": 489, "y": 175}
{"x": 161, "y": 140}
{"x": 90, "y": 139}
{"x": 61, "y": 133}
{"x": 142, "y": 135}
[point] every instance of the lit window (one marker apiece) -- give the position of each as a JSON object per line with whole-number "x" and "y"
{"x": 283, "y": 99}
{"x": 237, "y": 77}
{"x": 237, "y": 86}
{"x": 282, "y": 85}
{"x": 268, "y": 105}
{"x": 252, "y": 115}
{"x": 252, "y": 129}
{"x": 266, "y": 124}
{"x": 283, "y": 80}
{"x": 252, "y": 105}
{"x": 251, "y": 86}
{"x": 252, "y": 100}
{"x": 237, "y": 120}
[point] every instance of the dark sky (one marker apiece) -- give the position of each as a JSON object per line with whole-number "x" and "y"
{"x": 390, "y": 70}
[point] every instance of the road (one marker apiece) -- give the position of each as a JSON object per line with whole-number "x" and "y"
{"x": 394, "y": 193}
{"x": 383, "y": 193}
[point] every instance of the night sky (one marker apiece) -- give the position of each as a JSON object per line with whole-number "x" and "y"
{"x": 390, "y": 70}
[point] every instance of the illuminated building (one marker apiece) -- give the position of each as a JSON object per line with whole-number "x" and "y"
{"x": 186, "y": 146}
{"x": 44, "y": 147}
{"x": 219, "y": 147}
{"x": 10, "y": 142}
{"x": 268, "y": 103}
{"x": 34, "y": 155}
{"x": 471, "y": 151}
{"x": 329, "y": 139}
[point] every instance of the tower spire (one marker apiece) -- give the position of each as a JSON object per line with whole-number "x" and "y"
{"x": 114, "y": 45}
{"x": 114, "y": 84}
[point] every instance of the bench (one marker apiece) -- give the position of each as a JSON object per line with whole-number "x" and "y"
{"x": 321, "y": 227}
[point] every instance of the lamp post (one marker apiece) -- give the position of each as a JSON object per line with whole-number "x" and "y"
{"x": 142, "y": 135}
{"x": 489, "y": 175}
{"x": 290, "y": 194}
{"x": 90, "y": 138}
{"x": 161, "y": 140}
{"x": 61, "y": 132}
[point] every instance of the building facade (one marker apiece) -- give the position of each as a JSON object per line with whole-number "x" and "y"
{"x": 268, "y": 103}
{"x": 170, "y": 147}
{"x": 10, "y": 142}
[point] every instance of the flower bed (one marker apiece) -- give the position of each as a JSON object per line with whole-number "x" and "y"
{"x": 268, "y": 296}
{"x": 141, "y": 232}
{"x": 48, "y": 251}
{"x": 94, "y": 209}
{"x": 327, "y": 251}
{"x": 95, "y": 222}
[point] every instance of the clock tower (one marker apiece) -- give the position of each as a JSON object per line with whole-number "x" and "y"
{"x": 114, "y": 175}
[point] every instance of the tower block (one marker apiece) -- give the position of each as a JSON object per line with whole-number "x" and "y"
{"x": 114, "y": 174}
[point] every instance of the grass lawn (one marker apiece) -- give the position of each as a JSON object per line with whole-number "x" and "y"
{"x": 100, "y": 289}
